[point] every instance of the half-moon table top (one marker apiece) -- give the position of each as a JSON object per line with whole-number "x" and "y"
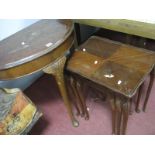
{"x": 33, "y": 42}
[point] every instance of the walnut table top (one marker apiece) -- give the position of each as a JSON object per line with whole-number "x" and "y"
{"x": 119, "y": 67}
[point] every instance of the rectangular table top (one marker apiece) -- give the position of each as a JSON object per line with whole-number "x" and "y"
{"x": 117, "y": 66}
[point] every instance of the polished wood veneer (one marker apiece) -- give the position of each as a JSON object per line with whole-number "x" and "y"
{"x": 114, "y": 65}
{"x": 34, "y": 41}
{"x": 39, "y": 63}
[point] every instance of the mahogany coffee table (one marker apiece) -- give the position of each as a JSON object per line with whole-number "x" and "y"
{"x": 120, "y": 69}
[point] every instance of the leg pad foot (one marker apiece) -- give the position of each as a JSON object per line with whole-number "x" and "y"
{"x": 75, "y": 123}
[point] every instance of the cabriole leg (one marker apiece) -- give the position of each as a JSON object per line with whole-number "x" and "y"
{"x": 78, "y": 102}
{"x": 57, "y": 70}
{"x": 81, "y": 97}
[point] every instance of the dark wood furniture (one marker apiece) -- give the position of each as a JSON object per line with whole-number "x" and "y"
{"x": 121, "y": 70}
{"x": 42, "y": 46}
{"x": 138, "y": 33}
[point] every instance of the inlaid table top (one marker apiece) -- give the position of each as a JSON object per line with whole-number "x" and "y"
{"x": 34, "y": 41}
{"x": 121, "y": 68}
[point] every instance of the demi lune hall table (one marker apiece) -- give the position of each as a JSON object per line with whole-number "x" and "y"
{"x": 42, "y": 46}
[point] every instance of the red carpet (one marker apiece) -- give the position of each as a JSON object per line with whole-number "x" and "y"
{"x": 55, "y": 121}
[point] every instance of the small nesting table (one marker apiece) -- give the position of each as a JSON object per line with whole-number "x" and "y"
{"x": 41, "y": 46}
{"x": 119, "y": 68}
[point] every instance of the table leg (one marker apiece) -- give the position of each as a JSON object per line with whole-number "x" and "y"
{"x": 152, "y": 76}
{"x": 79, "y": 90}
{"x": 78, "y": 104}
{"x": 139, "y": 97}
{"x": 131, "y": 104}
{"x": 71, "y": 91}
{"x": 57, "y": 70}
{"x": 111, "y": 99}
{"x": 119, "y": 114}
{"x": 125, "y": 113}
